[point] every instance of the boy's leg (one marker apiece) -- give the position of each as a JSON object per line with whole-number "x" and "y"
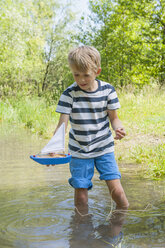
{"x": 117, "y": 193}
{"x": 82, "y": 171}
{"x": 108, "y": 169}
{"x": 81, "y": 200}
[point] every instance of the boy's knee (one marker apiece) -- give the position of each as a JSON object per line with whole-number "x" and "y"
{"x": 81, "y": 196}
{"x": 82, "y": 199}
{"x": 118, "y": 192}
{"x": 118, "y": 195}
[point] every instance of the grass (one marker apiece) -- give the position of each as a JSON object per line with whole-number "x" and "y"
{"x": 143, "y": 111}
{"x": 32, "y": 113}
{"x": 152, "y": 159}
{"x": 142, "y": 114}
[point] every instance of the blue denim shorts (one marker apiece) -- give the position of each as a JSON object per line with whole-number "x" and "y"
{"x": 82, "y": 170}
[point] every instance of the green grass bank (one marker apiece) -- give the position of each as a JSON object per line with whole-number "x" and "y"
{"x": 142, "y": 113}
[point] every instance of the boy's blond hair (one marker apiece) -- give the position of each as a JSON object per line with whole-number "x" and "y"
{"x": 85, "y": 58}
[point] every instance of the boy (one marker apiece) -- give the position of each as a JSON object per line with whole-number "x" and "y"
{"x": 89, "y": 104}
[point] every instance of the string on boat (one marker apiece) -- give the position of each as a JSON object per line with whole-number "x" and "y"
{"x": 91, "y": 143}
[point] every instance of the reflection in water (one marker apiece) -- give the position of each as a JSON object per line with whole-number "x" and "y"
{"x": 34, "y": 218}
{"x": 84, "y": 234}
{"x": 36, "y": 204}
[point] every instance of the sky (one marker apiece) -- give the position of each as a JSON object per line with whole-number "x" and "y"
{"x": 80, "y": 6}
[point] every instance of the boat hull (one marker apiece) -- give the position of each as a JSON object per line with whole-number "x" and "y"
{"x": 54, "y": 161}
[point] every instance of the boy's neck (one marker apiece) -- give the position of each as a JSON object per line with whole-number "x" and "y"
{"x": 93, "y": 87}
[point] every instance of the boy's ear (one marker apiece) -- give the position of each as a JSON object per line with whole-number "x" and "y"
{"x": 98, "y": 71}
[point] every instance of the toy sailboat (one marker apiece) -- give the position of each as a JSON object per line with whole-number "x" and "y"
{"x": 50, "y": 155}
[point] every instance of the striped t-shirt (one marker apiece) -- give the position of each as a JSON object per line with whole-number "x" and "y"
{"x": 89, "y": 135}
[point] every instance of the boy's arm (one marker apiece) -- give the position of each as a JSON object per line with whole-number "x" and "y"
{"x": 63, "y": 118}
{"x": 116, "y": 124}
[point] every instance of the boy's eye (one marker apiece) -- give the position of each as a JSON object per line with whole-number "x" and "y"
{"x": 86, "y": 75}
{"x": 76, "y": 75}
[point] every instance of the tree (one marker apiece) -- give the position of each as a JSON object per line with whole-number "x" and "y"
{"x": 35, "y": 38}
{"x": 130, "y": 37}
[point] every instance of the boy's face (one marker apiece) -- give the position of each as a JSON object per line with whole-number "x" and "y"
{"x": 86, "y": 80}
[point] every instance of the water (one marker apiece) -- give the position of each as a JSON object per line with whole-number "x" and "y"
{"x": 37, "y": 210}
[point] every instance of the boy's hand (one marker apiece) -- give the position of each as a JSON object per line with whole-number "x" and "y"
{"x": 120, "y": 133}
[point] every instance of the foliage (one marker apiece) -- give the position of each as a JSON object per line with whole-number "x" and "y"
{"x": 37, "y": 35}
{"x": 34, "y": 44}
{"x": 130, "y": 36}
